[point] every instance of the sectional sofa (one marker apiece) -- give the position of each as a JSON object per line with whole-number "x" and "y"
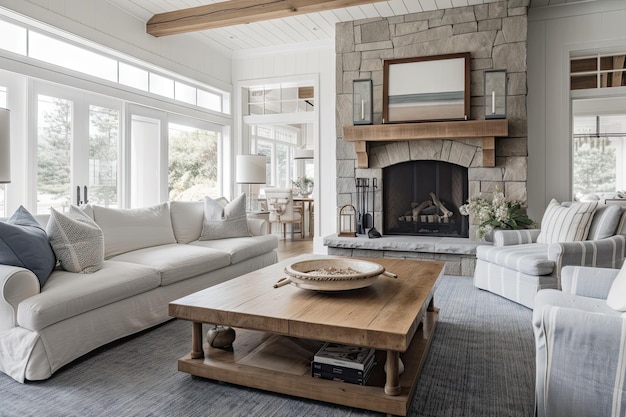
{"x": 151, "y": 256}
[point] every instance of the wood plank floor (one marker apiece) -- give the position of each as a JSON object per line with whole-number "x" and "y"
{"x": 288, "y": 248}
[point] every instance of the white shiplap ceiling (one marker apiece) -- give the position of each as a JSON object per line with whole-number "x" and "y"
{"x": 300, "y": 28}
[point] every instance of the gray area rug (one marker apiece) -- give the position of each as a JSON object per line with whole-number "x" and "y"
{"x": 481, "y": 363}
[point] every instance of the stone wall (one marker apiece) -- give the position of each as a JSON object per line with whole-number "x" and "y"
{"x": 496, "y": 36}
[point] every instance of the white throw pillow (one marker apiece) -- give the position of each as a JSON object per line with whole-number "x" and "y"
{"x": 77, "y": 241}
{"x": 566, "y": 224}
{"x": 131, "y": 229}
{"x": 617, "y": 294}
{"x": 224, "y": 222}
{"x": 187, "y": 219}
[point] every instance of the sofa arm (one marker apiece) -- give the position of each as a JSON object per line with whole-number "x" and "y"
{"x": 515, "y": 237}
{"x": 257, "y": 227}
{"x": 601, "y": 253}
{"x": 16, "y": 284}
{"x": 578, "y": 364}
{"x": 588, "y": 281}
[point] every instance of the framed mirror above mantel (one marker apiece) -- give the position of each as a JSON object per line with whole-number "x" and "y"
{"x": 488, "y": 130}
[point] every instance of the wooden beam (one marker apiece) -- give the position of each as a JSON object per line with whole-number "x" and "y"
{"x": 236, "y": 12}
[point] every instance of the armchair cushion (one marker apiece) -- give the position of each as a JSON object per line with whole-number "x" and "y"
{"x": 530, "y": 258}
{"x": 587, "y": 281}
{"x": 617, "y": 294}
{"x": 566, "y": 224}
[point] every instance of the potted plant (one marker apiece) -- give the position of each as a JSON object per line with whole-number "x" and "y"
{"x": 495, "y": 213}
{"x": 304, "y": 186}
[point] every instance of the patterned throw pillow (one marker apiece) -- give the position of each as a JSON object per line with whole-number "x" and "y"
{"x": 566, "y": 224}
{"x": 224, "y": 222}
{"x": 24, "y": 243}
{"x": 77, "y": 241}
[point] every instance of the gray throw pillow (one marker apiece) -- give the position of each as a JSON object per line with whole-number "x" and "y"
{"x": 24, "y": 243}
{"x": 224, "y": 222}
{"x": 77, "y": 240}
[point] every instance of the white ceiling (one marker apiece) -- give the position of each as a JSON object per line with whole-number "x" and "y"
{"x": 294, "y": 29}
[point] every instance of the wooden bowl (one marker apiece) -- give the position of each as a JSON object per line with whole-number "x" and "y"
{"x": 334, "y": 274}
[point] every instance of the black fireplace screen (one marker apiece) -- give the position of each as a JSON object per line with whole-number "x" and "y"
{"x": 423, "y": 198}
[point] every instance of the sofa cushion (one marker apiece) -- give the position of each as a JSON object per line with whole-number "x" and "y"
{"x": 67, "y": 294}
{"x": 617, "y": 294}
{"x": 24, "y": 243}
{"x": 177, "y": 262}
{"x": 130, "y": 229}
{"x": 530, "y": 258}
{"x": 187, "y": 219}
{"x": 224, "y": 222}
{"x": 566, "y": 224}
{"x": 77, "y": 240}
{"x": 241, "y": 248}
{"x": 604, "y": 222}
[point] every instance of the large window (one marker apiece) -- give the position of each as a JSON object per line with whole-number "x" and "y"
{"x": 599, "y": 155}
{"x": 194, "y": 159}
{"x": 97, "y": 62}
{"x": 278, "y": 144}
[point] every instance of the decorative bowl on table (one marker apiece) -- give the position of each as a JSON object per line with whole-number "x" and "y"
{"x": 334, "y": 274}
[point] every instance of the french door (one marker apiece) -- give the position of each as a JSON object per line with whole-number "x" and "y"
{"x": 78, "y": 147}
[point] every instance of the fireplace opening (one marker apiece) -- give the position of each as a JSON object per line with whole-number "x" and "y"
{"x": 423, "y": 198}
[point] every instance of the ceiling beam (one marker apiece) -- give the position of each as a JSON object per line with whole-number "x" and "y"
{"x": 235, "y": 12}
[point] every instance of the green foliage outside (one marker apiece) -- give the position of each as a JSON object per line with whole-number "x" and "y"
{"x": 193, "y": 165}
{"x": 593, "y": 166}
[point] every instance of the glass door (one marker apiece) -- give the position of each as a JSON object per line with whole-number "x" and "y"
{"x": 77, "y": 149}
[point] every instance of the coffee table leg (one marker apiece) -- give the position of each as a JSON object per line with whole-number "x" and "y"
{"x": 196, "y": 341}
{"x": 392, "y": 384}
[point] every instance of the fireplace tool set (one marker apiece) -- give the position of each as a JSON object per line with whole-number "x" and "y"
{"x": 365, "y": 219}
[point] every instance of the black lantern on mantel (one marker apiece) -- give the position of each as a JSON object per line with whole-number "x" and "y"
{"x": 362, "y": 106}
{"x": 495, "y": 94}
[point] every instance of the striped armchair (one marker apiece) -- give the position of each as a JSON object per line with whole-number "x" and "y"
{"x": 516, "y": 266}
{"x": 580, "y": 346}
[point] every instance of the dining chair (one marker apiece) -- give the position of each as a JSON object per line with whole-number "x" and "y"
{"x": 283, "y": 211}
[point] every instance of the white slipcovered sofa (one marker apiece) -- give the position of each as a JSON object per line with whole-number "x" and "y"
{"x": 520, "y": 262}
{"x": 151, "y": 257}
{"x": 580, "y": 337}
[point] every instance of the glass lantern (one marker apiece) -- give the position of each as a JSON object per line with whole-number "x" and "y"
{"x": 495, "y": 94}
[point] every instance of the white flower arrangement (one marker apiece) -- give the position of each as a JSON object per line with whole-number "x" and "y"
{"x": 497, "y": 212}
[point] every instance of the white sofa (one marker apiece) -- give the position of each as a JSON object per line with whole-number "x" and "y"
{"x": 144, "y": 269}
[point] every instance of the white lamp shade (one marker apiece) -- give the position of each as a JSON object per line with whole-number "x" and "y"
{"x": 303, "y": 154}
{"x": 251, "y": 169}
{"x": 5, "y": 148}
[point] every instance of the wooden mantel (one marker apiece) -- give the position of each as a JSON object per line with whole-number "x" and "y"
{"x": 488, "y": 130}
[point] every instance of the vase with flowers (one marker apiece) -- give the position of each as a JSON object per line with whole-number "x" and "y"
{"x": 496, "y": 212}
{"x": 304, "y": 185}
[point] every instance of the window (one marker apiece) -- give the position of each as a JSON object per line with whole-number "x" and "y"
{"x": 193, "y": 163}
{"x": 3, "y": 189}
{"x": 277, "y": 143}
{"x": 598, "y": 71}
{"x": 280, "y": 98}
{"x": 93, "y": 61}
{"x": 599, "y": 154}
{"x": 104, "y": 145}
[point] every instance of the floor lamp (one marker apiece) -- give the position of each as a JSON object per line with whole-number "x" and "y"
{"x": 251, "y": 170}
{"x": 5, "y": 148}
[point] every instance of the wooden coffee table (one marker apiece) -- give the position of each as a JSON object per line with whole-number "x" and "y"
{"x": 280, "y": 329}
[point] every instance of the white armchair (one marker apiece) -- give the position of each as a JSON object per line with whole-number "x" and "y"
{"x": 518, "y": 265}
{"x": 580, "y": 347}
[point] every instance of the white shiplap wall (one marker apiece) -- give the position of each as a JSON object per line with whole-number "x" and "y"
{"x": 553, "y": 34}
{"x": 315, "y": 59}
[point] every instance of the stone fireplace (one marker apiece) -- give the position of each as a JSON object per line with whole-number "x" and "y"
{"x": 495, "y": 34}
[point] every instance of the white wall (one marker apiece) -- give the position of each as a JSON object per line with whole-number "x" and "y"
{"x": 553, "y": 34}
{"x": 101, "y": 22}
{"x": 316, "y": 59}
